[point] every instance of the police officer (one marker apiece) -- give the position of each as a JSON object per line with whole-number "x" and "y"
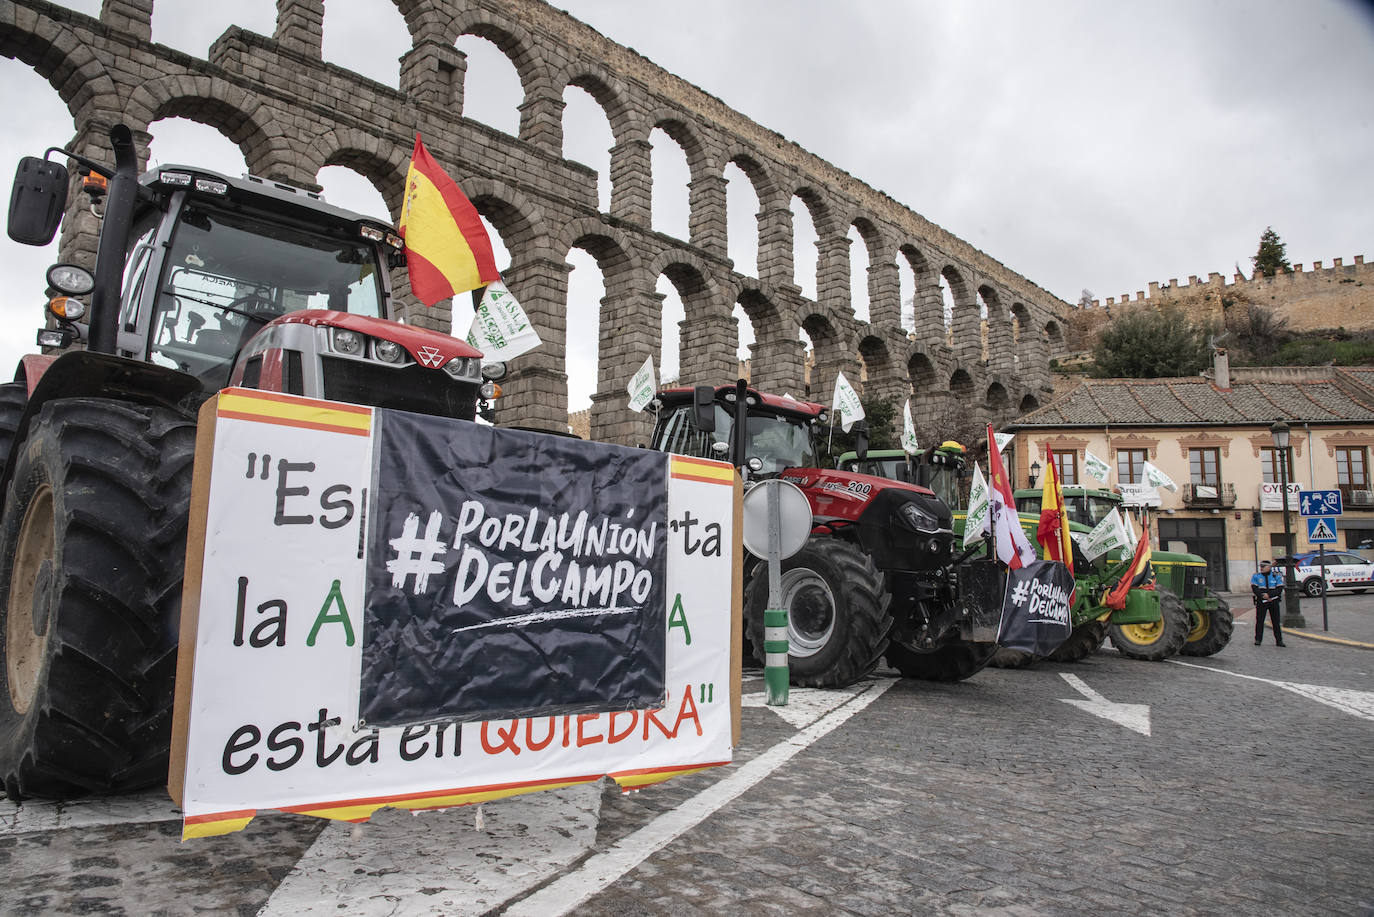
{"x": 1266, "y": 587}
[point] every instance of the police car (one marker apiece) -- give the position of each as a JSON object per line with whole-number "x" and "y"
{"x": 1343, "y": 571}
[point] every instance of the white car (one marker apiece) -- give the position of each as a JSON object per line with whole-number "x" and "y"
{"x": 1343, "y": 571}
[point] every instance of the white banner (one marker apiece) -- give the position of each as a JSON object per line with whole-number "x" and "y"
{"x": 909, "y": 430}
{"x": 641, "y": 387}
{"x": 500, "y": 328}
{"x": 1270, "y": 497}
{"x": 846, "y": 403}
{"x": 1003, "y": 439}
{"x": 1156, "y": 478}
{"x": 267, "y": 707}
{"x": 976, "y": 522}
{"x": 1096, "y": 468}
{"x": 1139, "y": 495}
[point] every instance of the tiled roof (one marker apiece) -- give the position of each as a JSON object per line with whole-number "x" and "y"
{"x": 1189, "y": 401}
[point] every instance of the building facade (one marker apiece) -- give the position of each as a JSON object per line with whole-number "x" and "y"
{"x": 1212, "y": 437}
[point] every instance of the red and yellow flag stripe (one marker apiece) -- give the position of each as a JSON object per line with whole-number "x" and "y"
{"x": 294, "y": 411}
{"x": 447, "y": 249}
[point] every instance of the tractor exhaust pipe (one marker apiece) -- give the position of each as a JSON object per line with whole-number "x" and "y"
{"x": 114, "y": 239}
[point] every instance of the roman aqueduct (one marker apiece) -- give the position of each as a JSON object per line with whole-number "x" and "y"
{"x": 291, "y": 114}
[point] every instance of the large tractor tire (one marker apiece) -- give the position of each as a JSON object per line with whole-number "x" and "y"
{"x": 1012, "y": 659}
{"x": 1085, "y": 640}
{"x": 1211, "y": 630}
{"x": 13, "y": 397}
{"x": 838, "y": 613}
{"x": 92, "y": 548}
{"x": 948, "y": 663}
{"x": 1158, "y": 639}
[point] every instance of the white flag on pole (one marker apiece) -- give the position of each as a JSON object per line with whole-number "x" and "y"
{"x": 1156, "y": 478}
{"x": 1107, "y": 536}
{"x": 909, "y": 430}
{"x": 1003, "y": 439}
{"x": 500, "y": 328}
{"x": 846, "y": 403}
{"x": 1096, "y": 468}
{"x": 641, "y": 387}
{"x": 976, "y": 522}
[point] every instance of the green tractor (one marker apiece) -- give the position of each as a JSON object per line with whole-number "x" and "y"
{"x": 1180, "y": 615}
{"x": 1180, "y": 579}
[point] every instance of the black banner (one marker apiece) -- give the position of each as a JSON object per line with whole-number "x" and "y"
{"x": 1035, "y": 608}
{"x": 511, "y": 574}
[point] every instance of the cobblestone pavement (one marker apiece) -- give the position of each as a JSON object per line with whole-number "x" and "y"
{"x": 1249, "y": 795}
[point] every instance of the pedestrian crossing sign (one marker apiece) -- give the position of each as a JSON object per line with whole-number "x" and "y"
{"x": 1321, "y": 530}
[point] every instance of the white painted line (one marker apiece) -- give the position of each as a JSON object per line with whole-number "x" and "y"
{"x": 440, "y": 864}
{"x": 1133, "y": 716}
{"x": 48, "y": 815}
{"x": 1346, "y": 700}
{"x": 804, "y": 705}
{"x": 570, "y": 891}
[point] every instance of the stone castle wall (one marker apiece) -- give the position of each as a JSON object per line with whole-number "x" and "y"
{"x": 1313, "y": 299}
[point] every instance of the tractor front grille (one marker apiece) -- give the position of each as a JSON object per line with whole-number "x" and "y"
{"x": 406, "y": 388}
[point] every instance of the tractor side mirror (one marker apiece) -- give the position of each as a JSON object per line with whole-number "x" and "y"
{"x": 861, "y": 440}
{"x": 37, "y": 200}
{"x": 704, "y": 408}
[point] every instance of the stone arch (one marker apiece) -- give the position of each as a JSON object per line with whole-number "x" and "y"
{"x": 382, "y": 164}
{"x": 69, "y": 65}
{"x": 235, "y": 113}
{"x": 883, "y": 286}
{"x": 997, "y": 399}
{"x": 961, "y": 385}
{"x": 883, "y": 379}
{"x": 611, "y": 247}
{"x": 520, "y": 47}
{"x": 1028, "y": 403}
{"x": 1053, "y": 336}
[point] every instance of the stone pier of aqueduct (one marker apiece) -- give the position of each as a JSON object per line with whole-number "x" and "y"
{"x": 291, "y": 114}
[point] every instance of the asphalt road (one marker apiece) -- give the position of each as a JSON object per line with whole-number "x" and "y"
{"x": 1233, "y": 784}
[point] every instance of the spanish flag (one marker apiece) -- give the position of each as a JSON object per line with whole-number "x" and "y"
{"x": 447, "y": 249}
{"x": 1140, "y": 574}
{"x": 1053, "y": 531}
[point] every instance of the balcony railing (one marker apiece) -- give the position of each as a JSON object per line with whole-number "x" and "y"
{"x": 1215, "y": 496}
{"x": 1357, "y": 494}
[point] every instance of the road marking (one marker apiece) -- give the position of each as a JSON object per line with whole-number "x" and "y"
{"x": 461, "y": 862}
{"x": 52, "y": 815}
{"x": 1132, "y": 716}
{"x": 1346, "y": 700}
{"x": 804, "y": 705}
{"x": 570, "y": 891}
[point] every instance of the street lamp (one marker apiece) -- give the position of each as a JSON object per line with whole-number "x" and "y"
{"x": 1034, "y": 473}
{"x": 1292, "y": 612}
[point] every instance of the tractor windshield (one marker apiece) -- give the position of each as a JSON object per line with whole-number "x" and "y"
{"x": 1085, "y": 509}
{"x": 775, "y": 440}
{"x": 229, "y": 273}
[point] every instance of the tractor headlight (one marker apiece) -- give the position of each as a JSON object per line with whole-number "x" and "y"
{"x": 918, "y": 519}
{"x": 70, "y": 280}
{"x": 489, "y": 390}
{"x": 495, "y": 371}
{"x": 348, "y": 342}
{"x": 388, "y": 351}
{"x": 464, "y": 369}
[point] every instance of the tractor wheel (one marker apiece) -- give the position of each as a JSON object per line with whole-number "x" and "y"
{"x": 1211, "y": 630}
{"x": 948, "y": 663}
{"x": 13, "y": 397}
{"x": 837, "y": 613}
{"x": 92, "y": 547}
{"x": 1012, "y": 659}
{"x": 1155, "y": 640}
{"x": 1082, "y": 643}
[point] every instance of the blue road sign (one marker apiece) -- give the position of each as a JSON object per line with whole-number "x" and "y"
{"x": 1321, "y": 530}
{"x": 1319, "y": 502}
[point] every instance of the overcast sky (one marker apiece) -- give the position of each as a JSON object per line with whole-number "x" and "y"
{"x": 1082, "y": 144}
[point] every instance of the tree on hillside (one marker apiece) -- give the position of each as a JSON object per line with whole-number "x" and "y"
{"x": 1147, "y": 344}
{"x": 1272, "y": 255}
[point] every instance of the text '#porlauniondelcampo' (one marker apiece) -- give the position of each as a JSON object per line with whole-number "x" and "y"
{"x": 512, "y": 574}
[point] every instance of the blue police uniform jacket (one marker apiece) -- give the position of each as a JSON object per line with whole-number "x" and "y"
{"x": 1270, "y": 580}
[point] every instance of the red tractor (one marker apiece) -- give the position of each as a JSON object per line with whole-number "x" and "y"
{"x": 878, "y": 576}
{"x": 200, "y": 281}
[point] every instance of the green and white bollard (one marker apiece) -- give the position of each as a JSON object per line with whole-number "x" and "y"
{"x": 775, "y": 674}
